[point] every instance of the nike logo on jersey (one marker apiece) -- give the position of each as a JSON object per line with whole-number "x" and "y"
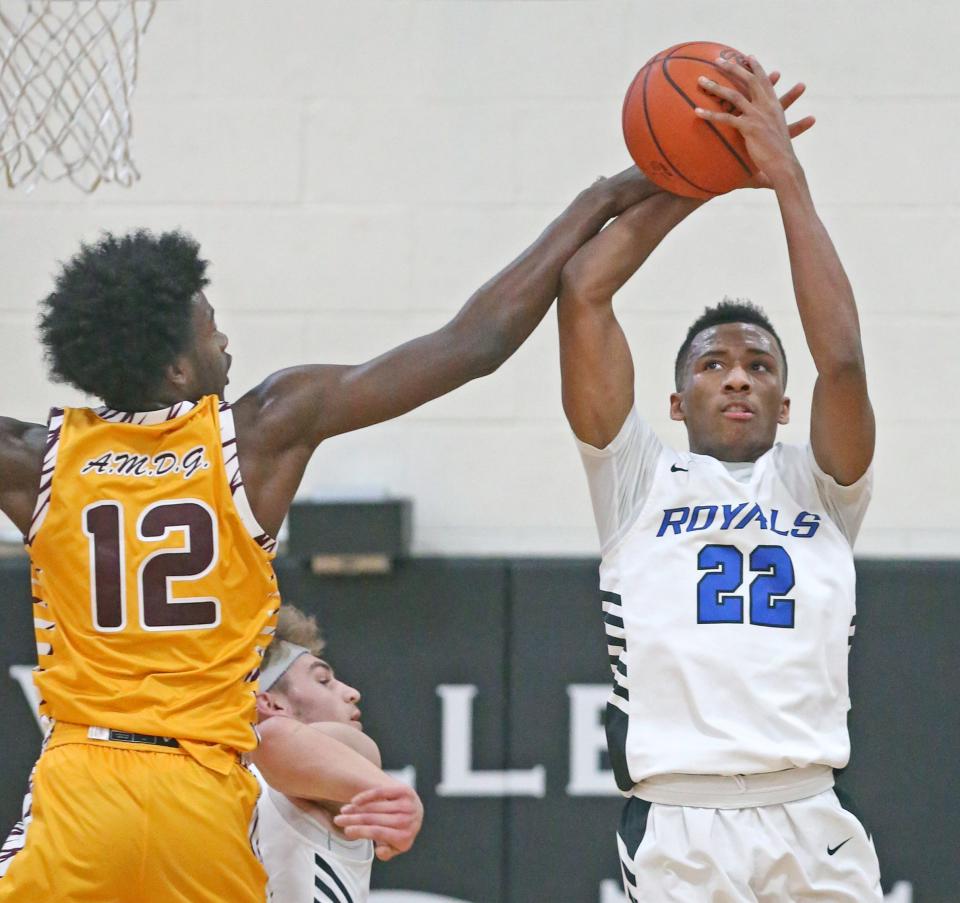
{"x": 832, "y": 850}
{"x": 675, "y": 469}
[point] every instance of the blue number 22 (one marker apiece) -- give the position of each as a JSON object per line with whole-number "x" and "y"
{"x": 717, "y": 601}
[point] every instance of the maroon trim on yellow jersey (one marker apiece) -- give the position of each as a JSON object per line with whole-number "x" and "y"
{"x": 119, "y": 677}
{"x": 145, "y": 418}
{"x": 54, "y": 425}
{"x": 231, "y": 463}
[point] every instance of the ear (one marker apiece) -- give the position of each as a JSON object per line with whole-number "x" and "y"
{"x": 783, "y": 418}
{"x": 179, "y": 373}
{"x": 269, "y": 704}
{"x": 676, "y": 406}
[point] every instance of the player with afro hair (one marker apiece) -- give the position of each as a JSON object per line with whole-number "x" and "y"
{"x": 151, "y": 527}
{"x": 120, "y": 313}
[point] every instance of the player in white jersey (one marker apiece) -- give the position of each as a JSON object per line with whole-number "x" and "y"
{"x": 727, "y": 572}
{"x": 315, "y": 849}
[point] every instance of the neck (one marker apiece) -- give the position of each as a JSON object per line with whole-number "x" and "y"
{"x": 154, "y": 404}
{"x": 746, "y": 455}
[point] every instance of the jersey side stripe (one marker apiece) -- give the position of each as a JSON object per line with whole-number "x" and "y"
{"x": 17, "y": 837}
{"x": 326, "y": 892}
{"x": 54, "y": 426}
{"x": 231, "y": 462}
{"x": 323, "y": 864}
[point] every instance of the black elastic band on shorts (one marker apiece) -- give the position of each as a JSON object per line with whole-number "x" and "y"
{"x": 148, "y": 739}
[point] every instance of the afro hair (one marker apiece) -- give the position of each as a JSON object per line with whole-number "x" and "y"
{"x": 120, "y": 313}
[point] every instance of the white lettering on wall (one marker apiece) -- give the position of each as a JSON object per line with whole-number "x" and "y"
{"x": 588, "y": 742}
{"x": 406, "y": 775}
{"x": 612, "y": 892}
{"x": 457, "y": 777}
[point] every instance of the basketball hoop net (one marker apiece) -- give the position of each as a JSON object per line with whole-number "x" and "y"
{"x": 67, "y": 73}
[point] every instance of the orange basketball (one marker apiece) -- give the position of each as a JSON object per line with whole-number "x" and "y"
{"x": 674, "y": 147}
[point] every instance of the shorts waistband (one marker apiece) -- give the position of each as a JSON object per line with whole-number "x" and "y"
{"x": 740, "y": 791}
{"x": 64, "y": 732}
{"x": 106, "y": 733}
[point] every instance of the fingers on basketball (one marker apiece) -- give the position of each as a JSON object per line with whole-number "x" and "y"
{"x": 686, "y": 152}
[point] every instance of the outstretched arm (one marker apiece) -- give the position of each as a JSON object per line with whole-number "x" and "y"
{"x": 21, "y": 459}
{"x": 842, "y": 427}
{"x": 595, "y": 363}
{"x": 280, "y": 423}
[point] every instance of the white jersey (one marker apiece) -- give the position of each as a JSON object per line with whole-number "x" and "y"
{"x": 728, "y": 600}
{"x": 305, "y": 862}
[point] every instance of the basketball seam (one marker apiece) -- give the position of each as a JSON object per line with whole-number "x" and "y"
{"x": 653, "y": 135}
{"x": 693, "y": 105}
{"x": 670, "y": 52}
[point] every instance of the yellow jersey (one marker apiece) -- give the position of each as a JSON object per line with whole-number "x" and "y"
{"x": 154, "y": 594}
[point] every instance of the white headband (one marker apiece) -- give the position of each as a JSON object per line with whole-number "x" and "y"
{"x": 283, "y": 655}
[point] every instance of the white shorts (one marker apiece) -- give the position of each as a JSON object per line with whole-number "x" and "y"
{"x": 804, "y": 850}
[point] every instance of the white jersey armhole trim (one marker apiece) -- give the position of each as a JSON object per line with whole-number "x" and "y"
{"x": 852, "y": 489}
{"x": 54, "y": 426}
{"x": 631, "y": 422}
{"x": 231, "y": 462}
{"x": 608, "y": 451}
{"x": 840, "y": 496}
{"x": 614, "y": 444}
{"x": 610, "y": 549}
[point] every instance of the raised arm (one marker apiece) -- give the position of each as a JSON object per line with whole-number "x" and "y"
{"x": 842, "y": 427}
{"x": 595, "y": 363}
{"x": 281, "y": 422}
{"x": 21, "y": 459}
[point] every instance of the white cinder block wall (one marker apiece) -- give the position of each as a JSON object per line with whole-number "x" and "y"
{"x": 355, "y": 169}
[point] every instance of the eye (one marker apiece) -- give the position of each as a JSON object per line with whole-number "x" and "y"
{"x": 759, "y": 365}
{"x": 711, "y": 365}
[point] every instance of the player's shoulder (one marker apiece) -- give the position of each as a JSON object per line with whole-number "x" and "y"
{"x": 791, "y": 458}
{"x": 273, "y": 411}
{"x": 22, "y": 448}
{"x": 797, "y": 471}
{"x": 22, "y": 433}
{"x": 800, "y": 461}
{"x": 793, "y": 465}
{"x": 22, "y": 445}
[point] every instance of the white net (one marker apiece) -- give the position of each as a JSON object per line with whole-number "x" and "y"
{"x": 67, "y": 73}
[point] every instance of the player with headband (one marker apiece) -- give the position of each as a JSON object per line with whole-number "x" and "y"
{"x": 312, "y": 846}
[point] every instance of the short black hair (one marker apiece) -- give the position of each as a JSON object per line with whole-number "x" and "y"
{"x": 729, "y": 310}
{"x": 121, "y": 312}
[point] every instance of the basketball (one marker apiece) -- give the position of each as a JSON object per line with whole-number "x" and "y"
{"x": 674, "y": 147}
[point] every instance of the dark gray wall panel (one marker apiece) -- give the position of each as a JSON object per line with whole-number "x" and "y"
{"x": 522, "y": 632}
